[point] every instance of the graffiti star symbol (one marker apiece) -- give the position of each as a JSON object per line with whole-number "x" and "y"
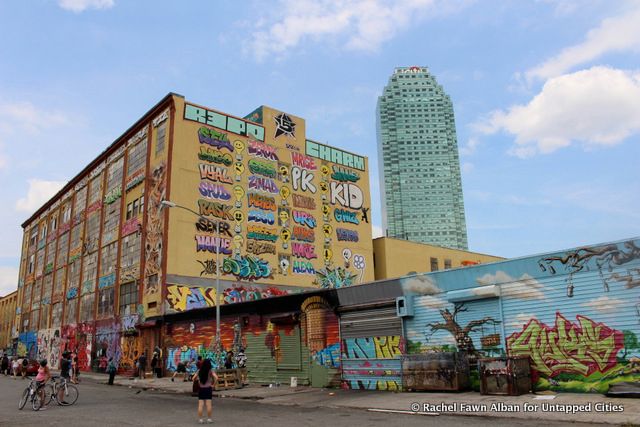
{"x": 284, "y": 126}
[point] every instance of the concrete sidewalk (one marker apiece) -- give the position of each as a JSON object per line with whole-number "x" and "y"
{"x": 567, "y": 407}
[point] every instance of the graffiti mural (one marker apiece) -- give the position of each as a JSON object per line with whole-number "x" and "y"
{"x": 108, "y": 343}
{"x": 183, "y": 298}
{"x": 49, "y": 346}
{"x": 155, "y": 229}
{"x": 584, "y": 347}
{"x": 372, "y": 363}
{"x": 334, "y": 278}
{"x": 247, "y": 268}
{"x": 28, "y": 345}
{"x": 78, "y": 338}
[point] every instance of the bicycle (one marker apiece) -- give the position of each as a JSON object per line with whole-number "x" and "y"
{"x": 32, "y": 393}
{"x": 61, "y": 385}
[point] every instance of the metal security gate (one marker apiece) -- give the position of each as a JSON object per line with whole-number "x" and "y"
{"x": 372, "y": 347}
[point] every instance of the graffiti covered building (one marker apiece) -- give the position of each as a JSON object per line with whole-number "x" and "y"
{"x": 576, "y": 314}
{"x": 104, "y": 261}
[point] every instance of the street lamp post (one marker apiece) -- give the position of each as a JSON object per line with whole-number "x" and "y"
{"x": 171, "y": 204}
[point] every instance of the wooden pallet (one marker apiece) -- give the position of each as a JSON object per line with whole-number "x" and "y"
{"x": 229, "y": 379}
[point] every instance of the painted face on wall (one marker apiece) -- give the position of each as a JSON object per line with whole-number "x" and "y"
{"x": 284, "y": 216}
{"x": 239, "y": 146}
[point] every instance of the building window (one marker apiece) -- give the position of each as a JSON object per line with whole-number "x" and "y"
{"x": 108, "y": 259}
{"x": 76, "y": 237}
{"x": 130, "y": 250}
{"x": 44, "y": 316}
{"x": 32, "y": 259}
{"x": 111, "y": 223}
{"x": 81, "y": 200}
{"x": 128, "y": 298}
{"x": 90, "y": 269}
{"x": 70, "y": 311}
{"x": 114, "y": 177}
{"x": 74, "y": 275}
{"x": 63, "y": 250}
{"x": 39, "y": 262}
{"x": 105, "y": 302}
{"x": 447, "y": 264}
{"x": 66, "y": 213}
{"x": 136, "y": 158}
{"x": 56, "y": 315}
{"x": 95, "y": 189}
{"x": 92, "y": 233}
{"x": 34, "y": 237}
{"x": 58, "y": 283}
{"x": 160, "y": 137}
{"x": 54, "y": 223}
{"x": 87, "y": 303}
{"x": 434, "y": 264}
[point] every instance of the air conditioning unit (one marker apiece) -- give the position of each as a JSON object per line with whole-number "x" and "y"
{"x": 404, "y": 306}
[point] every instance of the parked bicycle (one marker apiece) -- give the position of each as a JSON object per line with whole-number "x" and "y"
{"x": 32, "y": 393}
{"x": 61, "y": 391}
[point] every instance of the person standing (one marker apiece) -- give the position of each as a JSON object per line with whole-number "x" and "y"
{"x": 112, "y": 369}
{"x": 74, "y": 368}
{"x": 154, "y": 363}
{"x": 41, "y": 379}
{"x": 15, "y": 366}
{"x": 65, "y": 372}
{"x": 142, "y": 364}
{"x": 25, "y": 364}
{"x": 4, "y": 365}
{"x": 207, "y": 378}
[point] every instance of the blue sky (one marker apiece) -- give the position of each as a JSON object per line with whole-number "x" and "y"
{"x": 546, "y": 95}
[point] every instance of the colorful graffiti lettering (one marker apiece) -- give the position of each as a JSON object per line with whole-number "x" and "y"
{"x": 345, "y": 235}
{"x": 213, "y": 191}
{"x": 344, "y": 175}
{"x": 348, "y": 195}
{"x": 303, "y": 202}
{"x": 303, "y": 267}
{"x": 214, "y": 173}
{"x": 329, "y": 356}
{"x": 259, "y": 248}
{"x": 208, "y": 267}
{"x": 583, "y": 348}
{"x": 250, "y": 293}
{"x": 304, "y": 218}
{"x": 373, "y": 347}
{"x": 214, "y": 156}
{"x": 372, "y": 363}
{"x": 301, "y": 180}
{"x": 262, "y": 202}
{"x": 129, "y": 322}
{"x": 213, "y": 244}
{"x": 130, "y": 226}
{"x": 258, "y": 232}
{"x": 342, "y": 215}
{"x": 260, "y": 183}
{"x": 209, "y": 226}
{"x": 263, "y": 217}
{"x": 303, "y": 250}
{"x": 247, "y": 268}
{"x": 260, "y": 149}
{"x": 214, "y": 138}
{"x": 183, "y": 298}
{"x": 49, "y": 346}
{"x": 302, "y": 161}
{"x": 215, "y": 209}
{"x": 334, "y": 278}
{"x": 303, "y": 234}
{"x": 262, "y": 168}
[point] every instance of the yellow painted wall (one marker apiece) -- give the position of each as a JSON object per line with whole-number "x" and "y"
{"x": 227, "y": 190}
{"x": 397, "y": 258}
{"x": 7, "y": 316}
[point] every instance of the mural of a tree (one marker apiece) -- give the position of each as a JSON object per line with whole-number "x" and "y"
{"x": 630, "y": 343}
{"x": 461, "y": 334}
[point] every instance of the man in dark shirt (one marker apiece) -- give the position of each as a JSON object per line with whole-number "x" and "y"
{"x": 65, "y": 372}
{"x": 142, "y": 362}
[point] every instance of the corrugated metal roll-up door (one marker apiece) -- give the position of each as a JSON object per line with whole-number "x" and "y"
{"x": 377, "y": 322}
{"x": 372, "y": 347}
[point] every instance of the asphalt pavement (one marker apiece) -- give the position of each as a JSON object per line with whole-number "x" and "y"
{"x": 103, "y": 405}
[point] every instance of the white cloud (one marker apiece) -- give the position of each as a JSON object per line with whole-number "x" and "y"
{"x": 39, "y": 192}
{"x": 8, "y": 280}
{"x": 617, "y": 34}
{"x": 470, "y": 147}
{"x": 25, "y": 117}
{"x": 524, "y": 287}
{"x": 520, "y": 320}
{"x": 604, "y": 304}
{"x": 421, "y": 285}
{"x": 3, "y": 159}
{"x": 429, "y": 301}
{"x": 598, "y": 107}
{"x": 355, "y": 24}
{"x": 78, "y": 6}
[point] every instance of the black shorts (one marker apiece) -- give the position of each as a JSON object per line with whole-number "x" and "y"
{"x": 181, "y": 368}
{"x": 205, "y": 393}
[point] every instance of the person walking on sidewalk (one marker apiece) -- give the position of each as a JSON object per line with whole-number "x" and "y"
{"x": 112, "y": 369}
{"x": 15, "y": 366}
{"x": 207, "y": 378}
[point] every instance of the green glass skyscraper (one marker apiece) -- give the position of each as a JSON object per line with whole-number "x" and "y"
{"x": 420, "y": 182}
